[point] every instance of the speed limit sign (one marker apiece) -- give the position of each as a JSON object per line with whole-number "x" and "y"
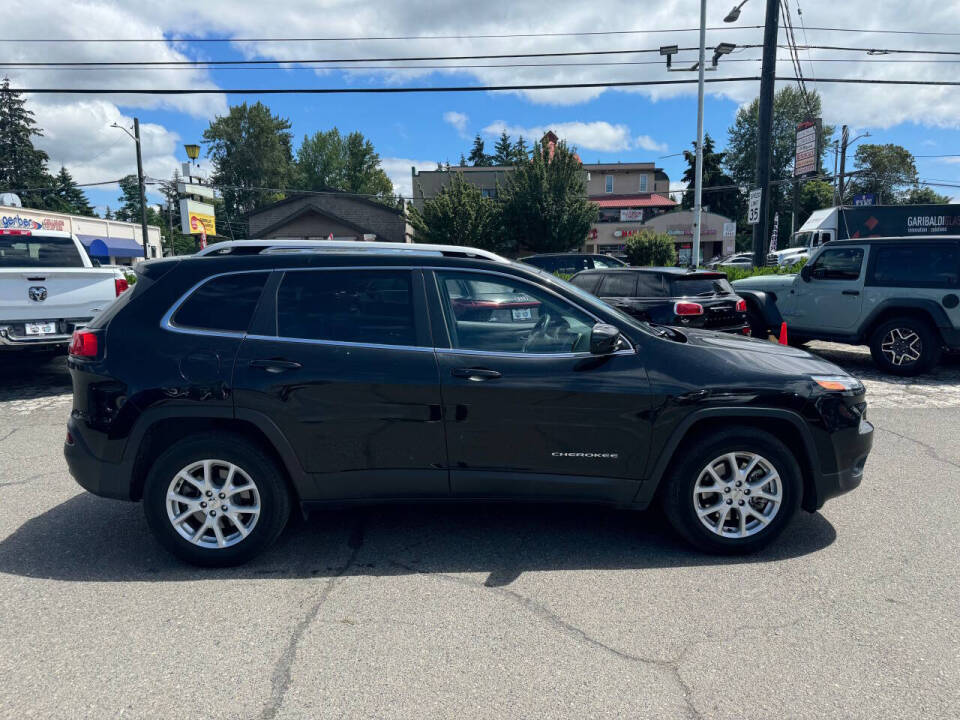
{"x": 753, "y": 208}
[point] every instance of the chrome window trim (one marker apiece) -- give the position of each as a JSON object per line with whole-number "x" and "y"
{"x": 167, "y": 324}
{"x": 596, "y": 319}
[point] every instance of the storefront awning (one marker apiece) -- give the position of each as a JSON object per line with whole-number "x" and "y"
{"x": 634, "y": 201}
{"x": 106, "y": 247}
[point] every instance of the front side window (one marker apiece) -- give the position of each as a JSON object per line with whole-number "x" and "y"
{"x": 497, "y": 314}
{"x": 917, "y": 266}
{"x": 838, "y": 264}
{"x": 586, "y": 281}
{"x": 224, "y": 304}
{"x": 606, "y": 263}
{"x": 608, "y": 184}
{"x": 356, "y": 306}
{"x": 38, "y": 251}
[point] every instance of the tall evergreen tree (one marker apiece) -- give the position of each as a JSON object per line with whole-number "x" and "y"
{"x": 477, "y": 157}
{"x": 22, "y": 166}
{"x": 503, "y": 150}
{"x": 724, "y": 202}
{"x": 350, "y": 163}
{"x": 108, "y": 215}
{"x": 67, "y": 197}
{"x": 521, "y": 153}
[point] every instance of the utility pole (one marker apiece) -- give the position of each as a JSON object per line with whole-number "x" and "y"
{"x": 143, "y": 192}
{"x": 844, "y": 136}
{"x": 765, "y": 127}
{"x": 698, "y": 172}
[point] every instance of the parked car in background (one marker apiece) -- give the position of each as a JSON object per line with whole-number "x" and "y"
{"x": 740, "y": 260}
{"x": 898, "y": 295}
{"x": 263, "y": 382}
{"x": 570, "y": 263}
{"x": 669, "y": 296}
{"x": 48, "y": 288}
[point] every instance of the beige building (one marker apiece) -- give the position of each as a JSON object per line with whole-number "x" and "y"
{"x": 318, "y": 216}
{"x": 718, "y": 233}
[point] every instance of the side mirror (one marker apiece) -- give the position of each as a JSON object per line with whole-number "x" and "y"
{"x": 604, "y": 339}
{"x": 806, "y": 273}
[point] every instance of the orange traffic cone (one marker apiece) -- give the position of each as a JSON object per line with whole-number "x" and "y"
{"x": 783, "y": 334}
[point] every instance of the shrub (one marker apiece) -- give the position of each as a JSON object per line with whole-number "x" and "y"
{"x": 741, "y": 273}
{"x": 650, "y": 248}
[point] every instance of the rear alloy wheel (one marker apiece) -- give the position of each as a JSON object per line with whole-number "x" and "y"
{"x": 905, "y": 346}
{"x": 216, "y": 500}
{"x": 734, "y": 492}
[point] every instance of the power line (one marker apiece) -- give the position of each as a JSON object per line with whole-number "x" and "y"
{"x": 323, "y": 61}
{"x": 876, "y": 51}
{"x": 461, "y": 88}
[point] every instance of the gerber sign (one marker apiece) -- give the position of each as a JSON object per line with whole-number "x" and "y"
{"x": 18, "y": 222}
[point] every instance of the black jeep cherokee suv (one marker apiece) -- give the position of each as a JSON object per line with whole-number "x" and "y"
{"x": 224, "y": 390}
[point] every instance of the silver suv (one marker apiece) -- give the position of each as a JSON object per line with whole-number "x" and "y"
{"x": 899, "y": 295}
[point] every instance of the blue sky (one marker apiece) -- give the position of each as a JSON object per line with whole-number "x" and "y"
{"x": 419, "y": 129}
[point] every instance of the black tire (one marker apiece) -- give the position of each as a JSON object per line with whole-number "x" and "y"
{"x": 691, "y": 461}
{"x": 758, "y": 325}
{"x": 927, "y": 343}
{"x": 274, "y": 498}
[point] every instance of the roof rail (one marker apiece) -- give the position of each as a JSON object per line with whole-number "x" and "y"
{"x": 268, "y": 246}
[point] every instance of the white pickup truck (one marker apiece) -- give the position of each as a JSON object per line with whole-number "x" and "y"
{"x": 49, "y": 287}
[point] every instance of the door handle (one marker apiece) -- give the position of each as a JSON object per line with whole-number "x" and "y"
{"x": 851, "y": 292}
{"x": 275, "y": 365}
{"x": 475, "y": 374}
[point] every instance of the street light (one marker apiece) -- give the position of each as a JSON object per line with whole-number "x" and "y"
{"x": 193, "y": 151}
{"x": 734, "y": 14}
{"x": 143, "y": 193}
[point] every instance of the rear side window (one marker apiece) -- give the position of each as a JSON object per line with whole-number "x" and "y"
{"x": 38, "y": 251}
{"x": 649, "y": 285}
{"x": 358, "y": 306}
{"x": 699, "y": 285}
{"x": 916, "y": 266}
{"x": 224, "y": 303}
{"x": 586, "y": 281}
{"x": 620, "y": 284}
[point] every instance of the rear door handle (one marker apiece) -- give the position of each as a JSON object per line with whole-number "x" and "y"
{"x": 475, "y": 374}
{"x": 851, "y": 292}
{"x": 276, "y": 365}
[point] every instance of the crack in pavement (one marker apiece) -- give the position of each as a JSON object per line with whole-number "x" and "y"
{"x": 283, "y": 669}
{"x": 931, "y": 451}
{"x": 566, "y": 628}
{"x": 8, "y": 434}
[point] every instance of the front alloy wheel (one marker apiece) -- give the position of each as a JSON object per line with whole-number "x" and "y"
{"x": 737, "y": 494}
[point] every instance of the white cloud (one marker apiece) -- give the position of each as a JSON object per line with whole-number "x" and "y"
{"x": 398, "y": 170}
{"x": 459, "y": 121}
{"x": 598, "y": 135}
{"x": 676, "y": 189}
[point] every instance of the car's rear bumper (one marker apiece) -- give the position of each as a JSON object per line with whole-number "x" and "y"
{"x": 13, "y": 333}
{"x": 112, "y": 480}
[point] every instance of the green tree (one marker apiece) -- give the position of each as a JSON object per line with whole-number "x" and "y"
{"x": 459, "y": 215}
{"x": 740, "y": 157}
{"x": 129, "y": 210}
{"x": 521, "y": 153}
{"x": 67, "y": 197}
{"x": 544, "y": 206}
{"x": 251, "y": 149}
{"x": 725, "y": 202}
{"x": 330, "y": 160}
{"x": 814, "y": 195}
{"x": 477, "y": 157}
{"x": 925, "y": 196}
{"x": 108, "y": 215}
{"x": 650, "y": 248}
{"x": 888, "y": 171}
{"x": 503, "y": 151}
{"x": 23, "y": 168}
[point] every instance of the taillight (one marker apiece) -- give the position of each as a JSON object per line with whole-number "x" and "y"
{"x": 687, "y": 308}
{"x": 84, "y": 344}
{"x": 120, "y": 284}
{"x": 741, "y": 305}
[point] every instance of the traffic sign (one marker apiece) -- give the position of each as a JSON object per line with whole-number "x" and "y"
{"x": 753, "y": 208}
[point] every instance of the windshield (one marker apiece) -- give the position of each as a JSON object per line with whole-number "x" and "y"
{"x": 38, "y": 251}
{"x": 801, "y": 239}
{"x": 688, "y": 286}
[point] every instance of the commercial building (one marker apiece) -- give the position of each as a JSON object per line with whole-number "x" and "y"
{"x": 718, "y": 233}
{"x": 318, "y": 216}
{"x": 111, "y": 242}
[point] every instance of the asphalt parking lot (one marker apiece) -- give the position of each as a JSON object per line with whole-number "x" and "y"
{"x": 489, "y": 611}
